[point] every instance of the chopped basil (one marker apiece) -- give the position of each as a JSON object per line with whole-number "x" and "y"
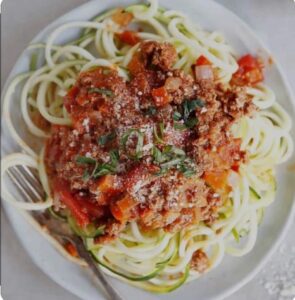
{"x": 170, "y": 157}
{"x": 176, "y": 116}
{"x": 191, "y": 122}
{"x": 187, "y": 168}
{"x": 102, "y": 91}
{"x": 171, "y": 163}
{"x": 159, "y": 133}
{"x": 190, "y": 105}
{"x": 103, "y": 169}
{"x": 85, "y": 160}
{"x": 151, "y": 111}
{"x": 139, "y": 146}
{"x": 114, "y": 155}
{"x": 179, "y": 126}
{"x": 102, "y": 140}
{"x": 189, "y": 119}
{"x": 86, "y": 176}
{"x": 108, "y": 168}
{"x": 158, "y": 156}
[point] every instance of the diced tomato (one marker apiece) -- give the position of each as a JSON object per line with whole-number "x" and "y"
{"x": 73, "y": 204}
{"x": 250, "y": 71}
{"x": 217, "y": 179}
{"x": 71, "y": 249}
{"x": 160, "y": 96}
{"x": 235, "y": 168}
{"x": 202, "y": 61}
{"x": 70, "y": 97}
{"x": 129, "y": 37}
{"x": 121, "y": 209}
{"x": 121, "y": 17}
{"x": 136, "y": 65}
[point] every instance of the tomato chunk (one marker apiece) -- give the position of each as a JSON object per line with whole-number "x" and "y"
{"x": 202, "y": 61}
{"x": 129, "y": 37}
{"x": 250, "y": 71}
{"x": 73, "y": 204}
{"x": 160, "y": 96}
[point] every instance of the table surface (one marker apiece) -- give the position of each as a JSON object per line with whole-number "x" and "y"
{"x": 272, "y": 20}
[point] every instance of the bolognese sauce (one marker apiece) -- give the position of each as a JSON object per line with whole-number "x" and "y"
{"x": 156, "y": 149}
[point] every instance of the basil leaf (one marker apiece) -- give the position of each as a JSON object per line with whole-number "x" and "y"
{"x": 171, "y": 163}
{"x": 191, "y": 122}
{"x": 86, "y": 176}
{"x": 190, "y": 105}
{"x": 114, "y": 154}
{"x": 158, "y": 155}
{"x": 151, "y": 111}
{"x": 159, "y": 133}
{"x": 139, "y": 145}
{"x": 102, "y": 140}
{"x": 176, "y": 116}
{"x": 102, "y": 91}
{"x": 179, "y": 126}
{"x": 85, "y": 160}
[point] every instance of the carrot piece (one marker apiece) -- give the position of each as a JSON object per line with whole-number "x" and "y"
{"x": 160, "y": 96}
{"x": 217, "y": 180}
{"x": 122, "y": 17}
{"x": 121, "y": 209}
{"x": 106, "y": 183}
{"x": 71, "y": 249}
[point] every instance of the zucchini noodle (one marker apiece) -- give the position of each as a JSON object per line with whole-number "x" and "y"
{"x": 156, "y": 261}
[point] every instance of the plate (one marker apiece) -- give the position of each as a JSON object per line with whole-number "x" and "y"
{"x": 233, "y": 272}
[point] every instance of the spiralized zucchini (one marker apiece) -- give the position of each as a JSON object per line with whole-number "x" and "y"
{"x": 158, "y": 261}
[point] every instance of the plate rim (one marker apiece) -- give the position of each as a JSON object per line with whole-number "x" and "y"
{"x": 287, "y": 86}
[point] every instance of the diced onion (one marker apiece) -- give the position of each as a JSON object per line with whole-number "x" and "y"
{"x": 173, "y": 83}
{"x": 204, "y": 72}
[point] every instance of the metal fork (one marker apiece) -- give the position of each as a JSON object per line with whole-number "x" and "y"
{"x": 27, "y": 183}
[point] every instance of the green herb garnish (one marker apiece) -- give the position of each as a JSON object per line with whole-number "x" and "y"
{"x": 179, "y": 126}
{"x": 102, "y": 140}
{"x": 191, "y": 122}
{"x": 176, "y": 116}
{"x": 151, "y": 111}
{"x": 102, "y": 91}
{"x": 85, "y": 160}
{"x": 139, "y": 145}
{"x": 159, "y": 133}
{"x": 189, "y": 106}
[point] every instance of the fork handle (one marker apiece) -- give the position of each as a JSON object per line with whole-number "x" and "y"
{"x": 110, "y": 291}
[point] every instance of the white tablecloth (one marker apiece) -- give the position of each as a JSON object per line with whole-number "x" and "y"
{"x": 273, "y": 21}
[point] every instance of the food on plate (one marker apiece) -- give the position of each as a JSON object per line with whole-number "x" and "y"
{"x": 158, "y": 143}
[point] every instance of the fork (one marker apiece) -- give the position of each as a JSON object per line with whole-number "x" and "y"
{"x": 27, "y": 183}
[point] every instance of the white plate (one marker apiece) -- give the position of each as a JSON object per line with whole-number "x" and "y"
{"x": 233, "y": 272}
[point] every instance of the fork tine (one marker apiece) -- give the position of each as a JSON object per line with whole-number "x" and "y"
{"x": 20, "y": 188}
{"x": 27, "y": 185}
{"x": 32, "y": 178}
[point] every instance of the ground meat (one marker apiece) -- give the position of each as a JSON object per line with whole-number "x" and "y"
{"x": 200, "y": 261}
{"x": 158, "y": 55}
{"x": 137, "y": 165}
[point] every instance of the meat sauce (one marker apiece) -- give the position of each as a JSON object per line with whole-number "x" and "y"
{"x": 156, "y": 149}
